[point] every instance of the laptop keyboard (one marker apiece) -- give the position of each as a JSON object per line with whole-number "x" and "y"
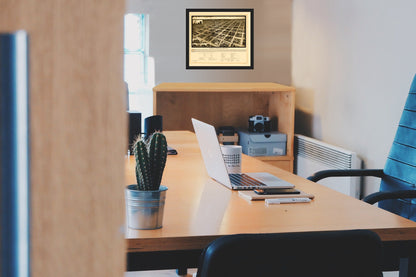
{"x": 244, "y": 181}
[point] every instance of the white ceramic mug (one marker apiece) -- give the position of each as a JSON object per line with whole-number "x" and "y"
{"x": 232, "y": 157}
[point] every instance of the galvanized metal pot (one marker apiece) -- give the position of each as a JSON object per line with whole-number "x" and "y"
{"x": 144, "y": 209}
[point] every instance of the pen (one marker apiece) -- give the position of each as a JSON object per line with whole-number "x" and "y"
{"x": 287, "y": 200}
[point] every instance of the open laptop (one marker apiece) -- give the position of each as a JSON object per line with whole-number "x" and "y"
{"x": 217, "y": 170}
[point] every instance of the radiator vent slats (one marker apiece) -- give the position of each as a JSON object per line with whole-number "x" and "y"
{"x": 312, "y": 155}
{"x": 326, "y": 154}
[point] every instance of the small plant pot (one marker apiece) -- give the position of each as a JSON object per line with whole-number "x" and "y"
{"x": 144, "y": 209}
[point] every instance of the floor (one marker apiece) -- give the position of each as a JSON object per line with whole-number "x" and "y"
{"x": 391, "y": 274}
{"x": 159, "y": 273}
{"x": 192, "y": 273}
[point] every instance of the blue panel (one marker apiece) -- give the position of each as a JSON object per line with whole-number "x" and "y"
{"x": 408, "y": 119}
{"x": 413, "y": 86}
{"x": 14, "y": 156}
{"x": 400, "y": 168}
{"x": 406, "y": 136}
{"x": 400, "y": 171}
{"x": 402, "y": 207}
{"x": 411, "y": 102}
{"x": 404, "y": 154}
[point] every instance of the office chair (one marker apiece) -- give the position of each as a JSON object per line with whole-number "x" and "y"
{"x": 397, "y": 188}
{"x": 332, "y": 253}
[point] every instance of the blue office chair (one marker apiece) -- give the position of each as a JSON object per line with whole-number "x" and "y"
{"x": 397, "y": 189}
{"x": 335, "y": 253}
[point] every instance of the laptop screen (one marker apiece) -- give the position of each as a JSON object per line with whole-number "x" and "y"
{"x": 211, "y": 152}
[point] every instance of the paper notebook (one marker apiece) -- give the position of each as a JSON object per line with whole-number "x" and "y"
{"x": 251, "y": 195}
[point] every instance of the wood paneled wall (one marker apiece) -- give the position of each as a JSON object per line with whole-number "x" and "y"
{"x": 78, "y": 133}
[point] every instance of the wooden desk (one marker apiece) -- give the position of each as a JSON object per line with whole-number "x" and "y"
{"x": 198, "y": 210}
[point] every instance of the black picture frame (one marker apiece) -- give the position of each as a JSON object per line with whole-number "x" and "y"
{"x": 219, "y": 39}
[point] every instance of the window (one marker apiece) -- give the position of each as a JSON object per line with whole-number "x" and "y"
{"x": 138, "y": 65}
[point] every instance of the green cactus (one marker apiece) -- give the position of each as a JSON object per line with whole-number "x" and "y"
{"x": 150, "y": 161}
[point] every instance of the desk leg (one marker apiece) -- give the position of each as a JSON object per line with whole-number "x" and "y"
{"x": 407, "y": 267}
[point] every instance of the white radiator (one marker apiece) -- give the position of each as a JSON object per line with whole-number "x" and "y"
{"x": 312, "y": 155}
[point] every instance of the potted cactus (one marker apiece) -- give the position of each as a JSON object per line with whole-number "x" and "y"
{"x": 145, "y": 200}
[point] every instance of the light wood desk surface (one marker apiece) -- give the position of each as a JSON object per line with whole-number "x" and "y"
{"x": 198, "y": 209}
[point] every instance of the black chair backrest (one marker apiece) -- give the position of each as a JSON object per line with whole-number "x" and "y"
{"x": 335, "y": 253}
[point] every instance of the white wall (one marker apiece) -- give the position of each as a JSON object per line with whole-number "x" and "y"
{"x": 272, "y": 40}
{"x": 352, "y": 64}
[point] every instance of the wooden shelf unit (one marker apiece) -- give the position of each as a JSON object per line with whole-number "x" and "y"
{"x": 228, "y": 104}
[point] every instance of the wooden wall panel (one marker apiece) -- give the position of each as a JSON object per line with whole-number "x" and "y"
{"x": 78, "y": 133}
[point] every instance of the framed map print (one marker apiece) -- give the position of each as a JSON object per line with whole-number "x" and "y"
{"x": 219, "y": 38}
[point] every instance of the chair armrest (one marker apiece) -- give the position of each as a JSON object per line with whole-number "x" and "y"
{"x": 384, "y": 195}
{"x": 345, "y": 173}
